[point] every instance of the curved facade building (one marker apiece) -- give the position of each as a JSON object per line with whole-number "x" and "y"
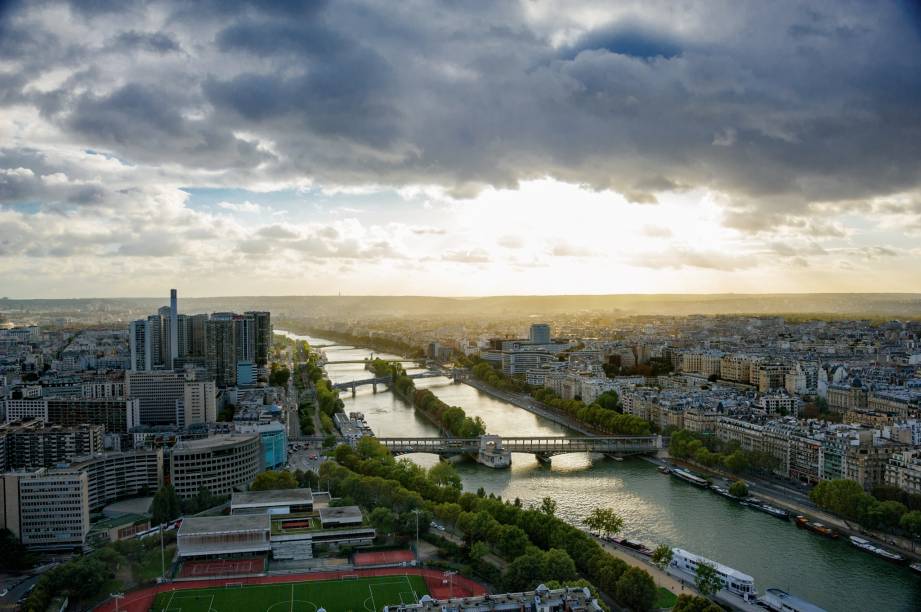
{"x": 221, "y": 463}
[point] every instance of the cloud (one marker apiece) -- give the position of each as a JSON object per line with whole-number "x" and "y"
{"x": 242, "y": 207}
{"x": 564, "y": 249}
{"x": 657, "y": 231}
{"x": 678, "y": 258}
{"x": 474, "y": 256}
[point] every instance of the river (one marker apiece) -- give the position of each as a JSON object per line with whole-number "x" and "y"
{"x": 657, "y": 509}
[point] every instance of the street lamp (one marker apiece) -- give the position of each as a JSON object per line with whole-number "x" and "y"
{"x": 450, "y": 576}
{"x": 117, "y": 596}
{"x": 416, "y": 512}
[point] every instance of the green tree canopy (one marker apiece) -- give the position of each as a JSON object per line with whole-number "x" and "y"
{"x": 636, "y": 590}
{"x": 662, "y": 556}
{"x": 707, "y": 580}
{"x": 165, "y": 506}
{"x": 693, "y": 603}
{"x": 738, "y": 489}
{"x": 604, "y": 521}
{"x": 274, "y": 479}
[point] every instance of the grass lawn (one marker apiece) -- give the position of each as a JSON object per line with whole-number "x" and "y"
{"x": 150, "y": 567}
{"x": 664, "y": 598}
{"x": 361, "y": 595}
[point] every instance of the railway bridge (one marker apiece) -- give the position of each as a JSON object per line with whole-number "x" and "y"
{"x": 383, "y": 380}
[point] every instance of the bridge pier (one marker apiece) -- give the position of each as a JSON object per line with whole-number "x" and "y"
{"x": 353, "y": 390}
{"x": 374, "y": 387}
{"x": 543, "y": 458}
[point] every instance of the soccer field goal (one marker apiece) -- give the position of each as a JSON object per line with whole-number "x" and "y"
{"x": 233, "y": 585}
{"x": 349, "y": 577}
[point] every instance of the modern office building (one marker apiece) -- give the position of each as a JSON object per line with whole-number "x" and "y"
{"x": 221, "y": 349}
{"x": 262, "y": 321}
{"x": 35, "y": 444}
{"x": 157, "y": 393}
{"x": 140, "y": 343}
{"x": 113, "y": 476}
{"x": 274, "y": 437}
{"x": 222, "y": 463}
{"x": 173, "y": 328}
{"x": 198, "y": 403}
{"x": 115, "y": 415}
{"x": 539, "y": 333}
{"x": 46, "y": 509}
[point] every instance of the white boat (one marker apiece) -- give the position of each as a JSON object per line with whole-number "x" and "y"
{"x": 690, "y": 477}
{"x": 916, "y": 567}
{"x": 781, "y": 601}
{"x": 876, "y": 550}
{"x": 735, "y": 582}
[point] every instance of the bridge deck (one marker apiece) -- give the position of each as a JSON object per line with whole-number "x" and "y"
{"x": 541, "y": 445}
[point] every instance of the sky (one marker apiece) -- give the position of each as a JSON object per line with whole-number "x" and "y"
{"x": 459, "y": 148}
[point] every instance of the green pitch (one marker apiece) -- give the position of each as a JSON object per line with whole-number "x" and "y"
{"x": 345, "y": 595}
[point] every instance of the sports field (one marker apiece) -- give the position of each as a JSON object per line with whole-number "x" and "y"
{"x": 341, "y": 595}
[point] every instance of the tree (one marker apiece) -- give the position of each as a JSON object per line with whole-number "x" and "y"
{"x": 272, "y": 479}
{"x": 443, "y": 474}
{"x": 383, "y": 520}
{"x": 694, "y": 603}
{"x": 636, "y": 590}
{"x": 604, "y": 521}
{"x": 707, "y": 580}
{"x": 911, "y": 522}
{"x": 736, "y": 462}
{"x": 738, "y": 489}
{"x": 609, "y": 401}
{"x": 662, "y": 556}
{"x": 13, "y": 555}
{"x": 165, "y": 506}
{"x": 844, "y": 497}
{"x": 278, "y": 377}
{"x": 548, "y": 506}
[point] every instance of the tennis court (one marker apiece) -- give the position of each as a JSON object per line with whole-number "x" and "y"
{"x": 380, "y": 557}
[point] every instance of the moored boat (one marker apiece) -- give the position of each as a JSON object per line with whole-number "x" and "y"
{"x": 690, "y": 477}
{"x": 766, "y": 508}
{"x": 637, "y": 546}
{"x": 724, "y": 492}
{"x": 663, "y": 469}
{"x": 871, "y": 548}
{"x": 819, "y": 528}
{"x": 916, "y": 567}
{"x": 781, "y": 601}
{"x": 735, "y": 582}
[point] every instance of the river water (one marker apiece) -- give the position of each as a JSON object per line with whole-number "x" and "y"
{"x": 657, "y": 509}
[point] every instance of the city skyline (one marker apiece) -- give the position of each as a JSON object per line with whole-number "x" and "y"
{"x": 511, "y": 149}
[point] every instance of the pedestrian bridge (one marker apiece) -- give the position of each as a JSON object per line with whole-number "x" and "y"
{"x": 542, "y": 446}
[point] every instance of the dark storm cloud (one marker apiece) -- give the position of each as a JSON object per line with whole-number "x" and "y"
{"x": 776, "y": 105}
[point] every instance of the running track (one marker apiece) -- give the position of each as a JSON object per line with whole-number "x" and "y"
{"x": 142, "y": 599}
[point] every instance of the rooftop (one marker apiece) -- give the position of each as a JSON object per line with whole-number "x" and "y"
{"x": 271, "y": 498}
{"x": 224, "y": 524}
{"x": 341, "y": 513}
{"x": 212, "y": 441}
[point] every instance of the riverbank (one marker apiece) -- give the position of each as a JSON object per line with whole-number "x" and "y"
{"x": 766, "y": 492}
{"x": 526, "y": 402}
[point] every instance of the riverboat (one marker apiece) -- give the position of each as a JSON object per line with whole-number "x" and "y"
{"x": 767, "y": 508}
{"x": 690, "y": 477}
{"x": 804, "y": 523}
{"x": 869, "y": 547}
{"x": 916, "y": 567}
{"x": 637, "y": 546}
{"x": 735, "y": 582}
{"x": 663, "y": 469}
{"x": 724, "y": 492}
{"x": 781, "y": 601}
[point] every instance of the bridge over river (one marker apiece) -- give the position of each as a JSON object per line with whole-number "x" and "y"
{"x": 495, "y": 451}
{"x": 384, "y": 380}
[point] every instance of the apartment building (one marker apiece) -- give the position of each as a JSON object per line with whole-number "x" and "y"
{"x": 115, "y": 415}
{"x": 34, "y": 444}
